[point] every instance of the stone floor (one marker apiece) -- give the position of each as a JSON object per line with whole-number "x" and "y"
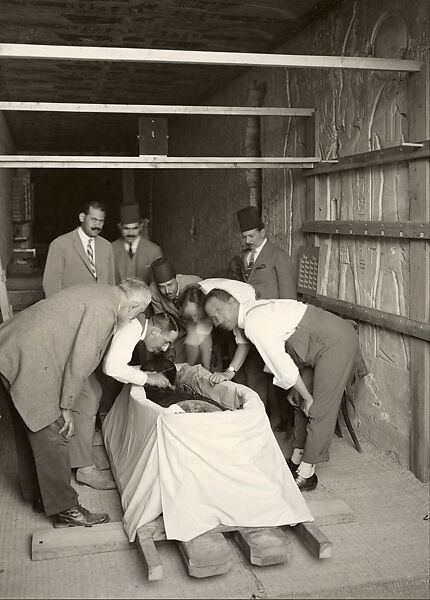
{"x": 383, "y": 554}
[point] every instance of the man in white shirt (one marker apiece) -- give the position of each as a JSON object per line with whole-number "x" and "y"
{"x": 241, "y": 369}
{"x": 158, "y": 333}
{"x": 289, "y": 336}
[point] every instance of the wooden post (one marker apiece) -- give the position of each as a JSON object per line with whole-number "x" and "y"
{"x": 312, "y": 183}
{"x": 419, "y": 279}
{"x": 128, "y": 190}
{"x": 5, "y": 307}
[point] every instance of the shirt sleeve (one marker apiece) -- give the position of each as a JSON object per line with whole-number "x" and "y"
{"x": 271, "y": 348}
{"x": 239, "y": 336}
{"x": 120, "y": 352}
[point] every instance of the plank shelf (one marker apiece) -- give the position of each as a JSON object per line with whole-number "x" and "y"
{"x": 391, "y": 321}
{"x": 383, "y": 229}
{"x": 374, "y": 158}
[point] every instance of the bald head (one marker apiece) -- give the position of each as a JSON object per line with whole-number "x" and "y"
{"x": 135, "y": 298}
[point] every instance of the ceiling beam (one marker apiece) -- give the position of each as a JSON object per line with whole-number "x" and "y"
{"x": 157, "y": 109}
{"x": 155, "y": 162}
{"x": 237, "y": 59}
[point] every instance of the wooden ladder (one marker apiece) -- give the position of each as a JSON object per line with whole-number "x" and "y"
{"x": 5, "y": 307}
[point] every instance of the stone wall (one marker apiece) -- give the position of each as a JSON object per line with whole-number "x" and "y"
{"x": 194, "y": 210}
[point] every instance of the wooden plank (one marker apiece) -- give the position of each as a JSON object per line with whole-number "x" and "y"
{"x": 264, "y": 546}
{"x": 419, "y": 277}
{"x": 411, "y": 327}
{"x": 165, "y": 109}
{"x": 330, "y": 511}
{"x": 314, "y": 539}
{"x": 206, "y": 555}
{"x": 77, "y": 541}
{"x": 395, "y": 229}
{"x": 151, "y": 558}
{"x": 374, "y": 157}
{"x": 154, "y": 162}
{"x": 236, "y": 59}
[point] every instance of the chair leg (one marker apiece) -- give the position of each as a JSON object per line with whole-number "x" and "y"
{"x": 338, "y": 430}
{"x": 348, "y": 423}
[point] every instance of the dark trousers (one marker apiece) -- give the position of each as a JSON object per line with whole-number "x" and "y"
{"x": 252, "y": 375}
{"x": 329, "y": 345}
{"x": 43, "y": 461}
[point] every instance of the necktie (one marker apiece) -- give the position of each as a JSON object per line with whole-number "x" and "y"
{"x": 90, "y": 253}
{"x": 248, "y": 269}
{"x": 130, "y": 251}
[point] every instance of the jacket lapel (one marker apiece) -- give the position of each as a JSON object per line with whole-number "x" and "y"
{"x": 80, "y": 250}
{"x": 261, "y": 257}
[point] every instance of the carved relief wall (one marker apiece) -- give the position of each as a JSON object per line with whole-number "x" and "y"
{"x": 358, "y": 111}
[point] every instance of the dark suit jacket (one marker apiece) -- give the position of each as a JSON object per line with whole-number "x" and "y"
{"x": 138, "y": 266}
{"x": 272, "y": 275}
{"x": 49, "y": 349}
{"x": 67, "y": 263}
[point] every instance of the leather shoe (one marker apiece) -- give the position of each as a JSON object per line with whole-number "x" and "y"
{"x": 292, "y": 466}
{"x": 99, "y": 480}
{"x": 306, "y": 484}
{"x": 79, "y": 516}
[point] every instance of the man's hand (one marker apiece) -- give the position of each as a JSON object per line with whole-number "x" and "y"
{"x": 218, "y": 377}
{"x": 68, "y": 428}
{"x": 297, "y": 401}
{"x": 158, "y": 380}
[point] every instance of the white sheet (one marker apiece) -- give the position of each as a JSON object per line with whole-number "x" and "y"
{"x": 199, "y": 469}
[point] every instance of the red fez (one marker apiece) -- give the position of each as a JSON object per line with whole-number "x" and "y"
{"x": 163, "y": 270}
{"x": 129, "y": 213}
{"x": 249, "y": 218}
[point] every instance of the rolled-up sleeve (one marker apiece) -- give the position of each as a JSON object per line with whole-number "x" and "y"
{"x": 120, "y": 352}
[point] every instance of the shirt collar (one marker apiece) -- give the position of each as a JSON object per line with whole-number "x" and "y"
{"x": 84, "y": 237}
{"x": 134, "y": 244}
{"x": 144, "y": 330}
{"x": 260, "y": 247}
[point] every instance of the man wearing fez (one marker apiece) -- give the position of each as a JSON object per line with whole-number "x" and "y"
{"x": 265, "y": 266}
{"x": 165, "y": 292}
{"x": 268, "y": 269}
{"x": 133, "y": 254}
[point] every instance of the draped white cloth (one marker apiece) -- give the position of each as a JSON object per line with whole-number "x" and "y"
{"x": 199, "y": 469}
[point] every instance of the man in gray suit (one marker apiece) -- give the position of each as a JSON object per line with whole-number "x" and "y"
{"x": 268, "y": 269}
{"x": 46, "y": 353}
{"x": 133, "y": 254}
{"x": 82, "y": 256}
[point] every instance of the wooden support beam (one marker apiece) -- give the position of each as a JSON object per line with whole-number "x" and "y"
{"x": 419, "y": 277}
{"x": 314, "y": 539}
{"x": 77, "y": 541}
{"x": 264, "y": 546}
{"x": 206, "y": 555}
{"x": 163, "y": 109}
{"x": 373, "y": 158}
{"x": 193, "y": 57}
{"x": 395, "y": 229}
{"x": 155, "y": 162}
{"x": 411, "y": 327}
{"x": 150, "y": 556}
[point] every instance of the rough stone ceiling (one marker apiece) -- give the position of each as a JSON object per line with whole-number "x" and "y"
{"x": 217, "y": 25}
